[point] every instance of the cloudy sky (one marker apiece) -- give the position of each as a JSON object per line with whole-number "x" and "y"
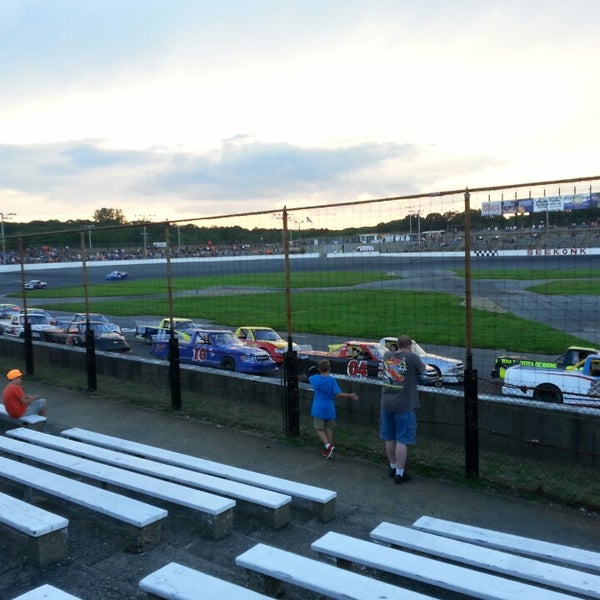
{"x": 175, "y": 109}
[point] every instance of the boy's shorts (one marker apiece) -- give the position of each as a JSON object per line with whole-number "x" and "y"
{"x": 323, "y": 423}
{"x": 401, "y": 427}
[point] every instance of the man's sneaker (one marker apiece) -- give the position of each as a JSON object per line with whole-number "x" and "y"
{"x": 325, "y": 452}
{"x": 329, "y": 451}
{"x": 402, "y": 478}
{"x": 392, "y": 472}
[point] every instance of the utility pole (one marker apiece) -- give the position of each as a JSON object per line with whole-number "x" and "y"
{"x": 2, "y": 217}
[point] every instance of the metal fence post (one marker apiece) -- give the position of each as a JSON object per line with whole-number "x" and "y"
{"x": 174, "y": 362}
{"x": 471, "y": 399}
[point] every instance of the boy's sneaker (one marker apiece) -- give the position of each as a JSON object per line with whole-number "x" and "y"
{"x": 328, "y": 453}
{"x": 402, "y": 478}
{"x": 392, "y": 472}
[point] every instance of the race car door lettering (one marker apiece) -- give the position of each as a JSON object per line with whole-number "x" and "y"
{"x": 357, "y": 368}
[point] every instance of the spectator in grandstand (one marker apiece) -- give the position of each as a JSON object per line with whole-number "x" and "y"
{"x": 17, "y": 403}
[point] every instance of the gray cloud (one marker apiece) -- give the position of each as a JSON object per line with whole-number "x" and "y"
{"x": 242, "y": 169}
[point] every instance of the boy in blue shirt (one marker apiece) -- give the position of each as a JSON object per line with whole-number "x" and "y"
{"x": 326, "y": 390}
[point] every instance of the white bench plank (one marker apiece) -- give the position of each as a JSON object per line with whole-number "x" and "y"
{"x": 215, "y": 511}
{"x": 486, "y": 558}
{"x": 47, "y": 532}
{"x": 433, "y": 572}
{"x": 177, "y": 582}
{"x": 272, "y": 505}
{"x": 28, "y": 421}
{"x": 144, "y": 517}
{"x": 570, "y": 555}
{"x": 318, "y": 576}
{"x": 46, "y": 592}
{"x": 322, "y": 500}
{"x": 28, "y": 518}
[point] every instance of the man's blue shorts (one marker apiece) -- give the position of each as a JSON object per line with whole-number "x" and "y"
{"x": 401, "y": 427}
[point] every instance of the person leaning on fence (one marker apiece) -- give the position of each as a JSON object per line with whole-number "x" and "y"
{"x": 17, "y": 403}
{"x": 326, "y": 390}
{"x": 399, "y": 400}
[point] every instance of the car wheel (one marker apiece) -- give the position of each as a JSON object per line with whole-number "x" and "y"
{"x": 548, "y": 393}
{"x": 148, "y": 339}
{"x": 228, "y": 364}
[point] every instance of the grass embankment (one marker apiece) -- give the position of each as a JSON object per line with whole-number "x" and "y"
{"x": 322, "y": 303}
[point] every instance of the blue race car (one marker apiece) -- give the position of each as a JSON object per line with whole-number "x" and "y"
{"x": 218, "y": 348}
{"x": 116, "y": 276}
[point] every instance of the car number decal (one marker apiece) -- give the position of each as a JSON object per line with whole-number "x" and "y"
{"x": 357, "y": 368}
{"x": 200, "y": 354}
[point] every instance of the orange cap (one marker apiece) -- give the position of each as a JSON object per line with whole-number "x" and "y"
{"x": 14, "y": 374}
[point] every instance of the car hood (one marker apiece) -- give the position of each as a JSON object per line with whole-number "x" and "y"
{"x": 429, "y": 356}
{"x": 244, "y": 349}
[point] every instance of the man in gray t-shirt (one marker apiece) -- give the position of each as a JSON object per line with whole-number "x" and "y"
{"x": 399, "y": 400}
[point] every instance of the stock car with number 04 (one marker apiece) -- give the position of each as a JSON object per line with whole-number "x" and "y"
{"x": 218, "y": 348}
{"x": 357, "y": 359}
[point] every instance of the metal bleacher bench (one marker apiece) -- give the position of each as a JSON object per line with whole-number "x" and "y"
{"x": 276, "y": 567}
{"x": 558, "y": 553}
{"x": 273, "y": 507}
{"x": 177, "y": 582}
{"x": 46, "y": 532}
{"x": 215, "y": 513}
{"x": 351, "y": 550}
{"x": 506, "y": 563}
{"x": 46, "y": 592}
{"x": 33, "y": 421}
{"x": 322, "y": 501}
{"x": 143, "y": 519}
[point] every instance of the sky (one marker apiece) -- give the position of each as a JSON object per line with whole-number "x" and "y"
{"x": 179, "y": 109}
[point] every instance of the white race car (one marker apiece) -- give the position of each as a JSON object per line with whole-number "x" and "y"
{"x": 450, "y": 370}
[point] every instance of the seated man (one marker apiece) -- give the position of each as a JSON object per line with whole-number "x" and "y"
{"x": 17, "y": 403}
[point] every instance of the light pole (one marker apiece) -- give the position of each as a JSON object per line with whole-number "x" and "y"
{"x": 89, "y": 228}
{"x": 144, "y": 219}
{"x": 2, "y": 217}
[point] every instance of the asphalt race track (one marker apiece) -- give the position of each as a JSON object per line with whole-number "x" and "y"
{"x": 576, "y": 315}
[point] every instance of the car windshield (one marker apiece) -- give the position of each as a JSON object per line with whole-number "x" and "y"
{"x": 103, "y": 327}
{"x": 185, "y": 326}
{"x": 225, "y": 338}
{"x": 266, "y": 335}
{"x": 377, "y": 350}
{"x": 418, "y": 350}
{"x": 36, "y": 319}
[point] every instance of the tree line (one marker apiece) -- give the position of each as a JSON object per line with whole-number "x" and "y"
{"x": 108, "y": 228}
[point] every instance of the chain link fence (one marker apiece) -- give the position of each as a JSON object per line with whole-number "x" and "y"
{"x": 485, "y": 278}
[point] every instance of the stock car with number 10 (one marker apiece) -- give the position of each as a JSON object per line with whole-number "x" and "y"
{"x": 357, "y": 359}
{"x": 218, "y": 348}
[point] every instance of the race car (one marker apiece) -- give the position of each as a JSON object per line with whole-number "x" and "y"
{"x": 116, "y": 276}
{"x": 107, "y": 336}
{"x": 451, "y": 370}
{"x": 570, "y": 357}
{"x": 356, "y": 359}
{"x": 218, "y": 348}
{"x": 267, "y": 339}
{"x": 35, "y": 284}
